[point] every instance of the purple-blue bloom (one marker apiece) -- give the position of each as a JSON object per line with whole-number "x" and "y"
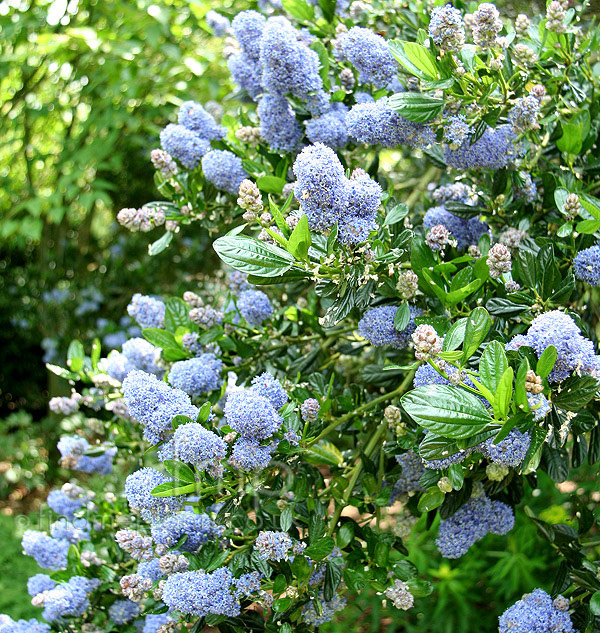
{"x": 197, "y": 376}
{"x": 586, "y": 265}
{"x": 147, "y": 311}
{"x": 198, "y": 528}
{"x": 184, "y": 145}
{"x": 224, "y": 170}
{"x": 377, "y": 326}
{"x": 138, "y": 488}
{"x": 536, "y": 612}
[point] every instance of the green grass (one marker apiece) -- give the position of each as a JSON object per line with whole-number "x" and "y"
{"x": 15, "y": 569}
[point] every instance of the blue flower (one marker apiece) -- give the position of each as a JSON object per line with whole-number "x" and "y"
{"x": 184, "y": 145}
{"x": 219, "y": 25}
{"x": 536, "y": 612}
{"x": 254, "y": 306}
{"x": 268, "y": 386}
{"x": 153, "y": 621}
{"x": 195, "y": 118}
{"x": 248, "y": 455}
{"x": 142, "y": 355}
{"x": 329, "y": 128}
{"x": 412, "y": 470}
{"x": 465, "y": 231}
{"x": 510, "y": 451}
{"x": 69, "y": 598}
{"x": 501, "y": 518}
{"x": 8, "y": 625}
{"x": 65, "y": 504}
{"x": 309, "y": 410}
{"x": 48, "y": 553}
{"x": 278, "y": 124}
{"x": 123, "y": 611}
{"x": 377, "y": 326}
{"x": 150, "y": 569}
{"x": 198, "y": 528}
{"x": 524, "y": 113}
{"x": 369, "y": 54}
{"x": 193, "y": 444}
{"x": 39, "y": 583}
{"x": 251, "y": 415}
{"x": 73, "y": 532}
{"x": 326, "y": 611}
{"x": 586, "y": 265}
{"x": 224, "y": 170}
{"x": 138, "y": 488}
{"x": 273, "y": 546}
{"x": 197, "y": 376}
{"x": 147, "y": 311}
{"x": 494, "y": 150}
{"x": 446, "y": 28}
{"x": 469, "y": 524}
{"x": 199, "y": 593}
{"x": 154, "y": 404}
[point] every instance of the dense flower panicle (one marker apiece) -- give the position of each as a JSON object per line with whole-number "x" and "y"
{"x": 499, "y": 260}
{"x": 269, "y": 387}
{"x": 400, "y": 596}
{"x": 252, "y": 415}
{"x": 248, "y": 584}
{"x": 359, "y": 219}
{"x": 326, "y": 612}
{"x": 494, "y": 150}
{"x": 524, "y": 114}
{"x": 154, "y": 404}
{"x": 456, "y": 131}
{"x": 465, "y": 231}
{"x": 184, "y": 145}
{"x": 197, "y": 376}
{"x": 320, "y": 185}
{"x": 72, "y": 449}
{"x": 427, "y": 342}
{"x": 48, "y": 552}
{"x": 446, "y": 28}
{"x": 526, "y": 190}
{"x": 465, "y": 527}
{"x": 501, "y": 518}
{"x": 486, "y": 25}
{"x": 246, "y": 73}
{"x": 238, "y": 282}
{"x": 142, "y": 355}
{"x": 329, "y": 128}
{"x": 137, "y": 545}
{"x": 536, "y": 612}
{"x": 309, "y": 409}
{"x": 250, "y": 198}
{"x": 510, "y": 451}
{"x": 65, "y": 504}
{"x": 164, "y": 163}
{"x": 147, "y": 311}
{"x": 377, "y": 326}
{"x": 412, "y": 470}
{"x": 202, "y": 594}
{"x": 138, "y": 488}
{"x": 555, "y": 16}
{"x": 68, "y": 599}
{"x": 206, "y": 316}
{"x": 254, "y": 306}
{"x": 153, "y": 621}
{"x": 64, "y": 405}
{"x": 224, "y": 170}
{"x": 288, "y": 65}
{"x": 73, "y": 532}
{"x": 39, "y": 583}
{"x": 219, "y": 25}
{"x": 278, "y": 123}
{"x": 586, "y": 265}
{"x": 438, "y": 237}
{"x": 274, "y": 546}
{"x": 149, "y": 570}
{"x": 248, "y": 455}
{"x": 248, "y": 27}
{"x": 194, "y": 117}
{"x": 190, "y": 341}
{"x": 193, "y": 444}
{"x": 369, "y": 54}
{"x": 8, "y": 625}
{"x": 539, "y": 405}
{"x": 375, "y": 123}
{"x": 575, "y": 353}
{"x": 143, "y": 219}
{"x": 198, "y": 528}
{"x": 123, "y": 611}
{"x": 455, "y": 192}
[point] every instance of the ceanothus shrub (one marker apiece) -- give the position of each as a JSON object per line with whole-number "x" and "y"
{"x": 405, "y": 328}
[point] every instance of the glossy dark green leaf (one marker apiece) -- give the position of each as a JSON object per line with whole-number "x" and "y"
{"x": 252, "y": 256}
{"x": 492, "y": 365}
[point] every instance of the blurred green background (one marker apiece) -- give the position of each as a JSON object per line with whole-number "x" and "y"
{"x": 85, "y": 87}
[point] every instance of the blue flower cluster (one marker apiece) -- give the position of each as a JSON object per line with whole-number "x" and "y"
{"x": 268, "y": 386}
{"x": 8, "y": 625}
{"x": 375, "y": 123}
{"x": 197, "y": 528}
{"x": 278, "y": 123}
{"x": 327, "y": 196}
{"x": 524, "y": 114}
{"x": 72, "y": 450}
{"x": 471, "y": 522}
{"x": 219, "y": 25}
{"x": 446, "y": 28}
{"x": 224, "y": 170}
{"x": 199, "y": 593}
{"x": 510, "y": 451}
{"x": 309, "y": 409}
{"x": 154, "y": 404}
{"x": 575, "y": 353}
{"x": 329, "y": 128}
{"x": 325, "y": 612}
{"x": 138, "y": 488}
{"x": 67, "y": 503}
{"x": 273, "y": 546}
{"x": 39, "y": 583}
{"x": 248, "y": 455}
{"x": 494, "y": 150}
{"x": 465, "y": 231}
{"x": 68, "y": 599}
{"x": 586, "y": 265}
{"x": 254, "y": 306}
{"x": 194, "y": 117}
{"x": 412, "y": 470}
{"x": 123, "y": 611}
{"x": 377, "y": 326}
{"x": 71, "y": 531}
{"x": 153, "y": 622}
{"x": 147, "y": 311}
{"x": 193, "y": 444}
{"x": 48, "y": 552}
{"x": 197, "y": 376}
{"x": 191, "y": 342}
{"x": 369, "y": 54}
{"x": 536, "y": 612}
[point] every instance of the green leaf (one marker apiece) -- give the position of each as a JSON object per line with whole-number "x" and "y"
{"x": 285, "y": 520}
{"x": 75, "y": 356}
{"x": 159, "y": 246}
{"x": 396, "y": 214}
{"x": 492, "y": 365}
{"x": 595, "y": 603}
{"x": 300, "y": 239}
{"x": 178, "y": 420}
{"x": 62, "y": 372}
{"x": 588, "y": 226}
{"x": 321, "y": 549}
{"x": 520, "y": 392}
{"x": 270, "y": 184}
{"x": 321, "y": 51}
{"x": 590, "y": 204}
{"x": 446, "y": 410}
{"x": 415, "y": 58}
{"x": 431, "y": 500}
{"x": 546, "y": 362}
{"x": 252, "y": 256}
{"x": 282, "y": 225}
{"x": 416, "y": 106}
{"x": 179, "y": 470}
{"x": 299, "y": 9}
{"x": 159, "y": 338}
{"x": 575, "y": 393}
{"x": 455, "y": 336}
{"x": 434, "y": 447}
{"x": 172, "y": 489}
{"x": 204, "y": 413}
{"x": 572, "y": 138}
{"x": 478, "y": 325}
{"x": 96, "y": 352}
{"x": 456, "y": 476}
{"x": 177, "y": 314}
{"x": 419, "y": 588}
{"x": 324, "y": 453}
{"x": 333, "y": 576}
{"x": 345, "y": 535}
{"x": 503, "y": 395}
{"x": 402, "y": 318}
